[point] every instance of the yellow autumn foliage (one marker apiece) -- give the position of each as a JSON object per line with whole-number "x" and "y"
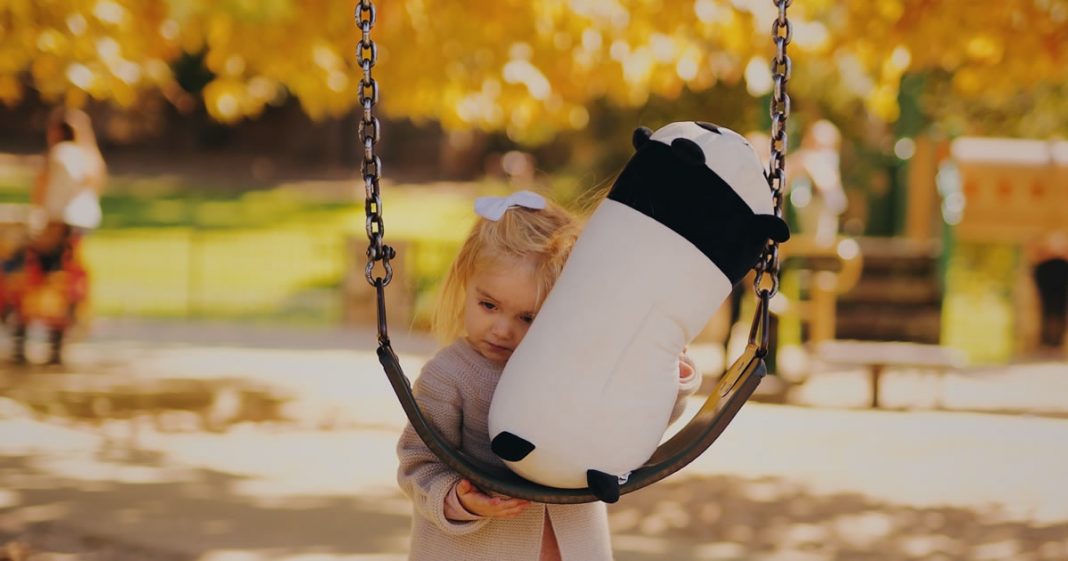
{"x": 528, "y": 67}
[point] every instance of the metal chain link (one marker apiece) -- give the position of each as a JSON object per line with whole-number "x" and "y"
{"x": 781, "y": 69}
{"x": 369, "y": 132}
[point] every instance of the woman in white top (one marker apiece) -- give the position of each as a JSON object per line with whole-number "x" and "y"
{"x": 69, "y": 185}
{"x": 66, "y": 201}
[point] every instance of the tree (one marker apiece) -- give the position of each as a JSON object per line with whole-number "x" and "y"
{"x": 530, "y": 68}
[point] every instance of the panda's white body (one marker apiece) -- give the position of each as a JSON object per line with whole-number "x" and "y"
{"x": 594, "y": 381}
{"x": 590, "y": 387}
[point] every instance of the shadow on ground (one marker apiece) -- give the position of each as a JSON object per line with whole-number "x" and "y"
{"x": 171, "y": 514}
{"x": 730, "y": 518}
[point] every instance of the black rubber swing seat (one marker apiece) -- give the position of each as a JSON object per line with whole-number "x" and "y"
{"x": 731, "y": 392}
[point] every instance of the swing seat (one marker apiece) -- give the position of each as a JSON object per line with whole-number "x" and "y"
{"x": 731, "y": 391}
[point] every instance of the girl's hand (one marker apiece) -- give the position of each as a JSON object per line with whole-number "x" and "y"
{"x": 686, "y": 366}
{"x": 479, "y": 503}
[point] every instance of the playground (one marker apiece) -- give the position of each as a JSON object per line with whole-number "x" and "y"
{"x": 833, "y": 235}
{"x": 235, "y": 444}
{"x": 205, "y": 433}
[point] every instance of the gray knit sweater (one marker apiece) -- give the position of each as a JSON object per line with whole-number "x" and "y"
{"x": 454, "y": 391}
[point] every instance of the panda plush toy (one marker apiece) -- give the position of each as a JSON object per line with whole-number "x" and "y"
{"x": 585, "y": 399}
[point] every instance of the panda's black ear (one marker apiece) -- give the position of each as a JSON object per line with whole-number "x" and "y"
{"x": 640, "y": 137}
{"x": 688, "y": 151}
{"x": 771, "y": 227}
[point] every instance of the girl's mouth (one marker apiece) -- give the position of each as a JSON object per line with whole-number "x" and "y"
{"x": 499, "y": 348}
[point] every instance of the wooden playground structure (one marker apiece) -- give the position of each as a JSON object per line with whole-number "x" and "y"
{"x": 970, "y": 194}
{"x": 996, "y": 195}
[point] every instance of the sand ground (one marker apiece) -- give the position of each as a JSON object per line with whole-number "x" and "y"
{"x": 208, "y": 442}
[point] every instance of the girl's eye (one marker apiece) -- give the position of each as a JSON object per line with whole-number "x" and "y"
{"x": 527, "y": 319}
{"x": 487, "y": 305}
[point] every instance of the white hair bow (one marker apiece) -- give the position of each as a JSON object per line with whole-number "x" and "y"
{"x": 493, "y": 208}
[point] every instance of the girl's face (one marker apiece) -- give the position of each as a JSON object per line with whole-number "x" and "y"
{"x": 499, "y": 307}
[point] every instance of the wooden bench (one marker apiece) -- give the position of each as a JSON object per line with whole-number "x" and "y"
{"x": 876, "y": 356}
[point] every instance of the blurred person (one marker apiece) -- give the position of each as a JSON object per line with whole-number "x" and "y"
{"x": 1051, "y": 278}
{"x": 68, "y": 187}
{"x": 65, "y": 201}
{"x": 814, "y": 180}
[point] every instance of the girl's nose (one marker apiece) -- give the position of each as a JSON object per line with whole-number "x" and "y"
{"x": 503, "y": 329}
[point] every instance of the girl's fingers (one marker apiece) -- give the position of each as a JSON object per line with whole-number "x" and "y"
{"x": 470, "y": 487}
{"x": 482, "y": 497}
{"x": 512, "y": 505}
{"x": 486, "y": 505}
{"x": 685, "y": 368}
{"x": 469, "y": 491}
{"x": 476, "y": 501}
{"x": 511, "y": 512}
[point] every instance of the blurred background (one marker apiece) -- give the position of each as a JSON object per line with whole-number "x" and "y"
{"x": 218, "y": 396}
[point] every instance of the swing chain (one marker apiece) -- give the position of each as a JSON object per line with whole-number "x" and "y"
{"x": 779, "y": 108}
{"x": 369, "y": 132}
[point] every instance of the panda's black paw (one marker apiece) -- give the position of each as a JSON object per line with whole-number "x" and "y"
{"x": 604, "y": 486}
{"x": 510, "y": 447}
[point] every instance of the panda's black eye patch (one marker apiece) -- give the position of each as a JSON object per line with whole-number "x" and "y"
{"x": 709, "y": 127}
{"x": 688, "y": 151}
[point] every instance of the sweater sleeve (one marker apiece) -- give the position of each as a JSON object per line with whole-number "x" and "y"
{"x": 687, "y": 387}
{"x": 454, "y": 509}
{"x": 421, "y": 475}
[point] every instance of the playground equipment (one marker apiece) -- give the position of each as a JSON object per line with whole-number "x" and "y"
{"x": 1001, "y": 201}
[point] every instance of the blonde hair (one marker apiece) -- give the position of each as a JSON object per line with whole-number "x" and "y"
{"x": 543, "y": 236}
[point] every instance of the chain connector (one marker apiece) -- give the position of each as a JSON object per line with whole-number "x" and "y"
{"x": 369, "y": 272}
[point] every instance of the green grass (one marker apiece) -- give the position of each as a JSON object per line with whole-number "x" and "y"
{"x": 278, "y": 254}
{"x": 978, "y": 309}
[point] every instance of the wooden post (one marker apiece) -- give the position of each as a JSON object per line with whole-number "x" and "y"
{"x": 876, "y": 374}
{"x": 824, "y": 295}
{"x": 922, "y": 198}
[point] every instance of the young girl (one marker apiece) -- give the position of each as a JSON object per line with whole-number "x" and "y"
{"x": 491, "y": 295}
